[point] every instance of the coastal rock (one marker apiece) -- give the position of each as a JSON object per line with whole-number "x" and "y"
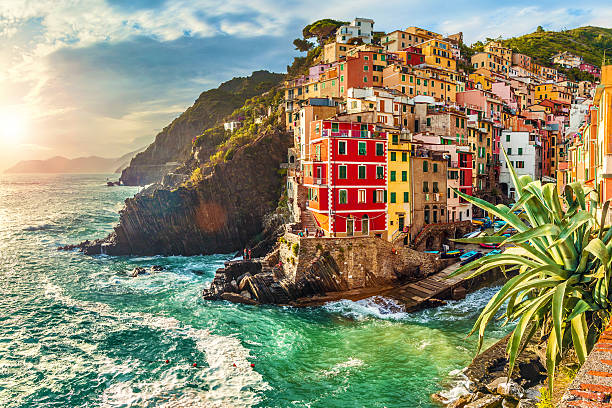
{"x": 221, "y": 213}
{"x": 488, "y": 401}
{"x": 137, "y": 271}
{"x": 157, "y": 268}
{"x": 492, "y": 386}
{"x": 509, "y": 403}
{"x": 510, "y": 389}
{"x": 526, "y": 403}
{"x": 462, "y": 401}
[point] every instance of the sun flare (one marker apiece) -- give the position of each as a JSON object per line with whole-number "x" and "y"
{"x": 12, "y": 128}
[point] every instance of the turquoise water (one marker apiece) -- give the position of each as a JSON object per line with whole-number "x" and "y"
{"x": 76, "y": 331}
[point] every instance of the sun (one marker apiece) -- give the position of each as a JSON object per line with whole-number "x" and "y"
{"x": 12, "y": 127}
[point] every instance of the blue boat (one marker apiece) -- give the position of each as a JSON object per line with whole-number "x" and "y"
{"x": 469, "y": 257}
{"x": 494, "y": 252}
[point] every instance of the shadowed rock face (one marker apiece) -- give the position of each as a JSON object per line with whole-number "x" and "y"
{"x": 220, "y": 214}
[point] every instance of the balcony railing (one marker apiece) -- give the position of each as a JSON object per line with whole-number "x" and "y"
{"x": 362, "y": 134}
{"x": 319, "y": 181}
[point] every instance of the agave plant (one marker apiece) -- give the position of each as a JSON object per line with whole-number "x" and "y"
{"x": 560, "y": 263}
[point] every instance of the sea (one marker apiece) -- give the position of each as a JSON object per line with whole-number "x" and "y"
{"x": 78, "y": 331}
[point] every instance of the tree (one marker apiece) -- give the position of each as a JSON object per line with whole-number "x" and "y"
{"x": 321, "y": 29}
{"x": 539, "y": 29}
{"x": 302, "y": 45}
{"x": 562, "y": 259}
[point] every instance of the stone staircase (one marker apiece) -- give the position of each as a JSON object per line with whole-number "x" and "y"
{"x": 307, "y": 220}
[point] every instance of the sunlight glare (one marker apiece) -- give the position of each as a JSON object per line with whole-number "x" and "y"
{"x": 12, "y": 127}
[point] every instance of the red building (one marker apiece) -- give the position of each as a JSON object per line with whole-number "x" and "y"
{"x": 411, "y": 56}
{"x": 346, "y": 178}
{"x": 465, "y": 173}
{"x": 591, "y": 69}
{"x": 363, "y": 70}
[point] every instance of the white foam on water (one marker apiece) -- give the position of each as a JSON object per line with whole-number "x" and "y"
{"x": 345, "y": 366}
{"x": 459, "y": 385}
{"x": 377, "y": 307}
{"x": 227, "y": 385}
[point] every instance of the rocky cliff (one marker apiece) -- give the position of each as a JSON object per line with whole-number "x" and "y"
{"x": 173, "y": 145}
{"x": 218, "y": 214}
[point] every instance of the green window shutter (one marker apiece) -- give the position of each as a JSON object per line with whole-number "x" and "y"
{"x": 380, "y": 172}
{"x": 362, "y": 172}
{"x": 428, "y": 121}
{"x": 392, "y": 156}
{"x": 404, "y": 156}
{"x": 395, "y": 139}
{"x": 520, "y": 151}
{"x": 405, "y": 196}
{"x": 342, "y": 172}
{"x": 425, "y": 167}
{"x": 393, "y": 176}
{"x": 380, "y": 149}
{"x": 435, "y": 167}
{"x": 374, "y": 196}
{"x": 362, "y": 148}
{"x": 404, "y": 176}
{"x": 392, "y": 197}
{"x": 385, "y": 200}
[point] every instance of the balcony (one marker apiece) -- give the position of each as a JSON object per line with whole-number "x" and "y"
{"x": 358, "y": 134}
{"x": 319, "y": 181}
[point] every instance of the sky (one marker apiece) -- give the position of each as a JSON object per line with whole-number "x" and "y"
{"x": 103, "y": 77}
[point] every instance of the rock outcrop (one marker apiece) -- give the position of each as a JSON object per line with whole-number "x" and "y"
{"x": 302, "y": 268}
{"x": 219, "y": 214}
{"x": 172, "y": 146}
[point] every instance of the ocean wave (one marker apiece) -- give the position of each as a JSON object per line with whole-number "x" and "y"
{"x": 230, "y": 378}
{"x": 40, "y": 227}
{"x": 377, "y": 306}
{"x": 458, "y": 385}
{"x": 344, "y": 366}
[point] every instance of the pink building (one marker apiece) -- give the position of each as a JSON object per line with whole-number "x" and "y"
{"x": 481, "y": 100}
{"x": 590, "y": 68}
{"x": 505, "y": 92}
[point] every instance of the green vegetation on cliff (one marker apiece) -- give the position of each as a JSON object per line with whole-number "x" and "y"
{"x": 173, "y": 143}
{"x": 588, "y": 42}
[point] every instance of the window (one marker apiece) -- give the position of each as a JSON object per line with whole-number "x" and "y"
{"x": 404, "y": 175}
{"x": 520, "y": 164}
{"x": 362, "y": 172}
{"x": 392, "y": 156}
{"x": 428, "y": 121}
{"x": 392, "y": 176}
{"x": 507, "y": 138}
{"x": 342, "y": 147}
{"x": 379, "y": 196}
{"x": 380, "y": 172}
{"x": 392, "y": 198}
{"x": 394, "y": 139}
{"x": 365, "y": 68}
{"x": 520, "y": 151}
{"x": 342, "y": 197}
{"x": 509, "y": 151}
{"x": 365, "y": 79}
{"x": 361, "y": 196}
{"x": 425, "y": 187}
{"x": 425, "y": 166}
{"x": 362, "y": 149}
{"x": 342, "y": 172}
{"x": 435, "y": 187}
{"x": 448, "y": 193}
{"x": 404, "y": 156}
{"x": 405, "y": 196}
{"x": 435, "y": 167}
{"x": 335, "y": 127}
{"x": 380, "y": 149}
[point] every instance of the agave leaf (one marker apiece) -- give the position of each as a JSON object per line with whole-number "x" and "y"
{"x": 581, "y": 307}
{"x": 576, "y": 222}
{"x": 507, "y": 216}
{"x": 539, "y": 231}
{"x": 549, "y": 192}
{"x": 604, "y": 212}
{"x": 515, "y": 340}
{"x": 551, "y": 359}
{"x": 580, "y": 196}
{"x": 599, "y": 250}
{"x": 579, "y": 330}
{"x": 487, "y": 239}
{"x": 557, "y": 307}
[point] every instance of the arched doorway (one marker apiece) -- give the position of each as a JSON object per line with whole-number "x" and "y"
{"x": 365, "y": 225}
{"x": 435, "y": 213}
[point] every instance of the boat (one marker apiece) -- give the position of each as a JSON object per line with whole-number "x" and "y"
{"x": 469, "y": 257}
{"x": 455, "y": 253}
{"x": 490, "y": 245}
{"x": 494, "y": 252}
{"x": 432, "y": 252}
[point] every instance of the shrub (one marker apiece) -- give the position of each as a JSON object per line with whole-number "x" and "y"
{"x": 562, "y": 255}
{"x": 295, "y": 248}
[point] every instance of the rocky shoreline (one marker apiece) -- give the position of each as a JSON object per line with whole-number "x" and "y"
{"x": 486, "y": 383}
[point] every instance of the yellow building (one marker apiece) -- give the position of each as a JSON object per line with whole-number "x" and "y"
{"x": 438, "y": 53}
{"x": 399, "y": 78}
{"x": 335, "y": 51}
{"x": 398, "y": 166}
{"x": 553, "y": 92}
{"x": 483, "y": 77}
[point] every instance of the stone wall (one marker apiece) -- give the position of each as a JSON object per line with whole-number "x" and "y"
{"x": 433, "y": 236}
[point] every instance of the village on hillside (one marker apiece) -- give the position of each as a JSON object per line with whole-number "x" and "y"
{"x": 387, "y": 129}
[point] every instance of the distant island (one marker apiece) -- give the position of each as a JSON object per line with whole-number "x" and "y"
{"x": 59, "y": 164}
